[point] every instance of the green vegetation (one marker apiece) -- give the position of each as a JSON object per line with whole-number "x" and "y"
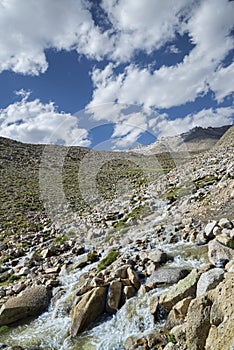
{"x": 59, "y": 240}
{"x": 3, "y": 329}
{"x": 171, "y": 338}
{"x": 134, "y": 214}
{"x": 230, "y": 244}
{"x": 108, "y": 260}
{"x": 205, "y": 181}
{"x": 93, "y": 257}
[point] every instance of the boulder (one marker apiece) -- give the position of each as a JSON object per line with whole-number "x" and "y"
{"x": 209, "y": 229}
{"x": 134, "y": 278}
{"x": 219, "y": 255}
{"x": 89, "y": 308}
{"x": 114, "y": 296}
{"x": 177, "y": 314}
{"x": 157, "y": 256}
{"x": 183, "y": 289}
{"x": 209, "y": 280}
{"x": 167, "y": 275}
{"x": 31, "y": 302}
{"x": 225, "y": 223}
{"x": 128, "y": 292}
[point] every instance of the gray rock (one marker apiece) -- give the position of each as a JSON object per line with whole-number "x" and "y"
{"x": 157, "y": 256}
{"x": 209, "y": 280}
{"x": 219, "y": 255}
{"x": 167, "y": 275}
{"x": 114, "y": 296}
{"x": 225, "y": 223}
{"x": 209, "y": 229}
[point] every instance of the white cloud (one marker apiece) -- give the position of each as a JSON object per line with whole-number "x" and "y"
{"x": 35, "y": 122}
{"x": 28, "y": 27}
{"x": 204, "y": 118}
{"x": 222, "y": 82}
{"x": 208, "y": 27}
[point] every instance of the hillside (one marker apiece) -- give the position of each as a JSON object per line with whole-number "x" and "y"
{"x": 83, "y": 232}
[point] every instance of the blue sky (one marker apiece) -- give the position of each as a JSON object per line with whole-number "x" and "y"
{"x": 114, "y": 74}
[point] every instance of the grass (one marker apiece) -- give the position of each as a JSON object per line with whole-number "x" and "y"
{"x": 108, "y": 260}
{"x": 135, "y": 213}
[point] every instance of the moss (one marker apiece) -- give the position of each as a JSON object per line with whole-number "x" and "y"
{"x": 206, "y": 181}
{"x": 108, "y": 260}
{"x": 60, "y": 240}
{"x": 4, "y": 329}
{"x": 171, "y": 338}
{"x": 93, "y": 257}
{"x": 14, "y": 278}
{"x": 230, "y": 244}
{"x": 134, "y": 214}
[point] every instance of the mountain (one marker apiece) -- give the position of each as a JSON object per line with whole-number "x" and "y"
{"x": 196, "y": 139}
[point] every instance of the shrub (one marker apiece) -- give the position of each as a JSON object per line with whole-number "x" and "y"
{"x": 108, "y": 260}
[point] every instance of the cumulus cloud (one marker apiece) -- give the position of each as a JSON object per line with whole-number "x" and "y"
{"x": 35, "y": 122}
{"x": 204, "y": 118}
{"x": 209, "y": 29}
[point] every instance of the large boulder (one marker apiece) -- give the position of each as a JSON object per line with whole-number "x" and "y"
{"x": 31, "y": 302}
{"x": 183, "y": 289}
{"x": 89, "y": 308}
{"x": 209, "y": 280}
{"x": 219, "y": 254}
{"x": 167, "y": 275}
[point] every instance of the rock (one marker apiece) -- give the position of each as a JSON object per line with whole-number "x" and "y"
{"x": 157, "y": 256}
{"x": 128, "y": 292}
{"x": 219, "y": 255}
{"x": 209, "y": 229}
{"x": 222, "y": 316}
{"x": 167, "y": 275}
{"x": 88, "y": 309}
{"x": 114, "y": 296}
{"x": 183, "y": 289}
{"x": 178, "y": 313}
{"x": 198, "y": 319}
{"x": 31, "y": 302}
{"x": 225, "y": 223}
{"x": 134, "y": 278}
{"x": 52, "y": 270}
{"x": 121, "y": 272}
{"x": 230, "y": 266}
{"x": 209, "y": 280}
{"x": 82, "y": 262}
{"x": 48, "y": 252}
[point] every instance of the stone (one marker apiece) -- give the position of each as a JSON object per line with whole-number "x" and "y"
{"x": 121, "y": 272}
{"x": 129, "y": 292}
{"x": 198, "y": 319}
{"x": 134, "y": 278}
{"x": 219, "y": 255}
{"x": 167, "y": 275}
{"x": 209, "y": 280}
{"x": 30, "y": 302}
{"x": 88, "y": 309}
{"x": 183, "y": 289}
{"x": 52, "y": 270}
{"x": 178, "y": 313}
{"x": 83, "y": 260}
{"x": 230, "y": 266}
{"x": 225, "y": 223}
{"x": 157, "y": 256}
{"x": 114, "y": 296}
{"x": 209, "y": 229}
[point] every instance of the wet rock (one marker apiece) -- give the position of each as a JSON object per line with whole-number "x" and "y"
{"x": 183, "y": 289}
{"x": 209, "y": 280}
{"x": 31, "y": 302}
{"x": 88, "y": 309}
{"x": 114, "y": 296}
{"x": 219, "y": 255}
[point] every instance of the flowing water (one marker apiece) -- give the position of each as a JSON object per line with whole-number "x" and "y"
{"x": 50, "y": 330}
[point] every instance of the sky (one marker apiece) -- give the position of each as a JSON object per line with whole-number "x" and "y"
{"x": 113, "y": 74}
